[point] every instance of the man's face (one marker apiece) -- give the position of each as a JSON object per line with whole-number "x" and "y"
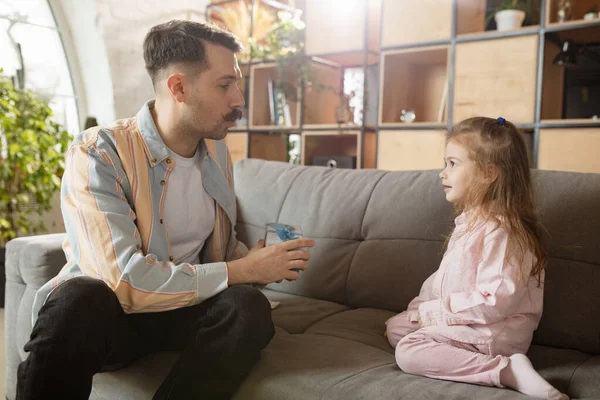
{"x": 215, "y": 100}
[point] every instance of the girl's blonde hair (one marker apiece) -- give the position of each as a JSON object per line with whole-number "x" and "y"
{"x": 497, "y": 143}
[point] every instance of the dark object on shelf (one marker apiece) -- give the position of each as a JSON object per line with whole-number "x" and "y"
{"x": 582, "y": 79}
{"x": 571, "y": 53}
{"x": 335, "y": 161}
{"x": 566, "y": 56}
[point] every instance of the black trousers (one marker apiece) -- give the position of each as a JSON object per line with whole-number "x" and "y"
{"x": 82, "y": 330}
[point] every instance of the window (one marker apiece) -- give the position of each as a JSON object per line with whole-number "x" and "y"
{"x": 30, "y": 41}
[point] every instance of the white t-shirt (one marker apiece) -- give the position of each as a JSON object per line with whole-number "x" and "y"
{"x": 189, "y": 211}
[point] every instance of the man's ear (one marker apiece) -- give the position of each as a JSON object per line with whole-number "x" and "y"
{"x": 176, "y": 86}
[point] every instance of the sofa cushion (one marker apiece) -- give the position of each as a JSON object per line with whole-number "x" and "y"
{"x": 138, "y": 381}
{"x": 363, "y": 325}
{"x": 336, "y": 203}
{"x": 569, "y": 205}
{"x": 304, "y": 367}
{"x": 585, "y": 382}
{"x": 388, "y": 382}
{"x": 296, "y": 313}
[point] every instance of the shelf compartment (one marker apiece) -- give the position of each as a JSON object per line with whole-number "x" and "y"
{"x": 322, "y": 98}
{"x": 340, "y": 28}
{"x": 472, "y": 18}
{"x": 496, "y": 78}
{"x": 269, "y": 146}
{"x": 580, "y": 8}
{"x": 569, "y": 149}
{"x": 328, "y": 144}
{"x": 402, "y": 25}
{"x": 260, "y": 117}
{"x": 570, "y": 93}
{"x": 414, "y": 79}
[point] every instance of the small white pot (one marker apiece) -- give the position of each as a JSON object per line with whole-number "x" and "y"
{"x": 590, "y": 15}
{"x": 507, "y": 20}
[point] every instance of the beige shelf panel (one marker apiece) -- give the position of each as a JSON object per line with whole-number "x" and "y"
{"x": 332, "y": 133}
{"x": 533, "y": 29}
{"x": 414, "y": 79}
{"x": 553, "y": 84}
{"x": 496, "y": 78}
{"x": 410, "y": 21}
{"x": 574, "y": 121}
{"x": 332, "y": 126}
{"x": 321, "y": 102}
{"x": 580, "y": 7}
{"x": 351, "y": 58}
{"x": 333, "y": 27}
{"x": 402, "y": 125}
{"x": 574, "y": 149}
{"x": 411, "y": 150}
{"x": 259, "y": 97}
{"x": 238, "y": 145}
{"x": 269, "y": 147}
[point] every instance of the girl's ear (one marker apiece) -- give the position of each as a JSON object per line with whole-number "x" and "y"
{"x": 490, "y": 173}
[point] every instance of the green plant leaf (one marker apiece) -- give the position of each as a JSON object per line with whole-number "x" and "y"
{"x": 31, "y": 164}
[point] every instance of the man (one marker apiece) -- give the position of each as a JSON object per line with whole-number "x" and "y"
{"x": 153, "y": 262}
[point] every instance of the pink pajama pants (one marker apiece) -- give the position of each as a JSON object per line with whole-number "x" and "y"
{"x": 421, "y": 352}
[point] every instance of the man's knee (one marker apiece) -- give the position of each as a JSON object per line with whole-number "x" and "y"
{"x": 252, "y": 309}
{"x": 81, "y": 299}
{"x": 84, "y": 292}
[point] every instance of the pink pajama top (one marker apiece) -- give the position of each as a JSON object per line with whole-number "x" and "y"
{"x": 479, "y": 295}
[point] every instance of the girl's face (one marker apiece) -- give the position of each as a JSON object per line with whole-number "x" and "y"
{"x": 458, "y": 172}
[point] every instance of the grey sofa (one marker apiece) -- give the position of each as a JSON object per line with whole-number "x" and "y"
{"x": 379, "y": 235}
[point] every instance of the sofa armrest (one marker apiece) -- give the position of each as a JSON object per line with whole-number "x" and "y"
{"x": 34, "y": 260}
{"x": 30, "y": 263}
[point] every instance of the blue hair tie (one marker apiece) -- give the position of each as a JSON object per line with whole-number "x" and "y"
{"x": 501, "y": 121}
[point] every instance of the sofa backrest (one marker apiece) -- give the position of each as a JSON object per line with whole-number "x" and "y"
{"x": 380, "y": 234}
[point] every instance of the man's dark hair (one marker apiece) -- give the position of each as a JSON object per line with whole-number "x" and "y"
{"x": 182, "y": 41}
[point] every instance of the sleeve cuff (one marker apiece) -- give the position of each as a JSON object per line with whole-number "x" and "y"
{"x": 211, "y": 279}
{"x": 431, "y": 313}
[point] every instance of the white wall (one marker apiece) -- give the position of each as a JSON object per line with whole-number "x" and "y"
{"x": 125, "y": 23}
{"x": 82, "y": 35}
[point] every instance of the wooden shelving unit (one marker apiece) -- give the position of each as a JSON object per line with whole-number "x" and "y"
{"x": 440, "y": 59}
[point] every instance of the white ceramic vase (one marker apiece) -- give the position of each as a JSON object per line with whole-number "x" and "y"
{"x": 507, "y": 20}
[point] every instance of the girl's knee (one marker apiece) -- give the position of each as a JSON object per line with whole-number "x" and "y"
{"x": 408, "y": 354}
{"x": 399, "y": 327}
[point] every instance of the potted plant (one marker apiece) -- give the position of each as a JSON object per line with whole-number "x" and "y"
{"x": 510, "y": 14}
{"x": 592, "y": 13}
{"x": 31, "y": 162}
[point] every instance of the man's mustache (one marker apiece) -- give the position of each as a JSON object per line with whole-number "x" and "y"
{"x": 233, "y": 115}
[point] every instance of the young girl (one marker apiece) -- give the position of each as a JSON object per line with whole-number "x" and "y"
{"x": 474, "y": 318}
